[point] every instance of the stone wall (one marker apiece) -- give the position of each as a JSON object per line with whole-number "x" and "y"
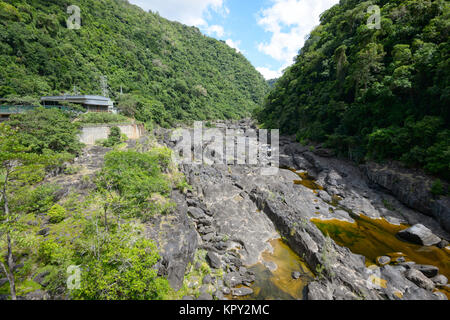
{"x": 90, "y": 134}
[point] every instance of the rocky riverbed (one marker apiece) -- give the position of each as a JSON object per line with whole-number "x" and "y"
{"x": 235, "y": 214}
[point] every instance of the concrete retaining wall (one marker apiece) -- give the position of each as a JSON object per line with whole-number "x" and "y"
{"x": 90, "y": 134}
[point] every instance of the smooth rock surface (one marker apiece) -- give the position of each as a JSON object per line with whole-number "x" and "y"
{"x": 419, "y": 234}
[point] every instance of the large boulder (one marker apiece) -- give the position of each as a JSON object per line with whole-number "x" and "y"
{"x": 196, "y": 213}
{"x": 419, "y": 234}
{"x": 427, "y": 270}
{"x": 419, "y": 279}
{"x": 214, "y": 260}
{"x": 440, "y": 280}
{"x": 232, "y": 279}
{"x": 241, "y": 292}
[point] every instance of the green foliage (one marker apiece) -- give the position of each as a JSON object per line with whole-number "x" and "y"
{"x": 116, "y": 259}
{"x": 163, "y": 156}
{"x": 47, "y": 130}
{"x": 328, "y": 257}
{"x": 123, "y": 271}
{"x": 183, "y": 185}
{"x": 437, "y": 188}
{"x": 56, "y": 214}
{"x": 102, "y": 118}
{"x": 20, "y": 169}
{"x": 272, "y": 82}
{"x": 114, "y": 137}
{"x": 144, "y": 170}
{"x": 368, "y": 93}
{"x": 51, "y": 252}
{"x": 38, "y": 200}
{"x": 168, "y": 71}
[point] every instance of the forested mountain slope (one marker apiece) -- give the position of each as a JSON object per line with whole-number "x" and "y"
{"x": 372, "y": 93}
{"x": 167, "y": 71}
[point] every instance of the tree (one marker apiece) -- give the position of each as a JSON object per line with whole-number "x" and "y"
{"x": 111, "y": 200}
{"x": 114, "y": 136}
{"x": 369, "y": 63}
{"x": 387, "y": 84}
{"x": 19, "y": 168}
{"x": 122, "y": 269}
{"x": 47, "y": 130}
{"x": 340, "y": 58}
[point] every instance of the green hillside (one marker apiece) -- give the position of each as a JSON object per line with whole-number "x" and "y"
{"x": 167, "y": 71}
{"x": 372, "y": 93}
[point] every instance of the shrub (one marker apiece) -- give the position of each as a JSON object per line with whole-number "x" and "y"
{"x": 37, "y": 201}
{"x": 102, "y": 118}
{"x": 114, "y": 138}
{"x": 124, "y": 271}
{"x": 144, "y": 170}
{"x": 51, "y": 252}
{"x": 56, "y": 214}
{"x": 44, "y": 130}
{"x": 437, "y": 188}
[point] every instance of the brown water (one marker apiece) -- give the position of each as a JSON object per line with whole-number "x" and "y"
{"x": 279, "y": 284}
{"x": 306, "y": 180}
{"x": 373, "y": 238}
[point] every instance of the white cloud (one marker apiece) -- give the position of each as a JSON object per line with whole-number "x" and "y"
{"x": 290, "y": 21}
{"x": 269, "y": 74}
{"x": 189, "y": 12}
{"x": 234, "y": 44}
{"x": 215, "y": 29}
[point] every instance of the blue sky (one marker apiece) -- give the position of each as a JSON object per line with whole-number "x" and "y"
{"x": 268, "y": 32}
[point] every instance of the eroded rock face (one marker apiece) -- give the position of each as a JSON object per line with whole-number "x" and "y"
{"x": 177, "y": 240}
{"x": 243, "y": 210}
{"x": 412, "y": 188}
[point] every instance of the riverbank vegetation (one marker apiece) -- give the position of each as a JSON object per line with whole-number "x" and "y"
{"x": 372, "y": 93}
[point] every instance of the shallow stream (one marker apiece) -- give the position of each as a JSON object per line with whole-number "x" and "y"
{"x": 274, "y": 279}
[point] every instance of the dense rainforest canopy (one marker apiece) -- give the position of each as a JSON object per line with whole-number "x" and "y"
{"x": 372, "y": 93}
{"x": 167, "y": 71}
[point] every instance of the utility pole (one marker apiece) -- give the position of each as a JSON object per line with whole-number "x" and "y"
{"x": 104, "y": 86}
{"x": 75, "y": 91}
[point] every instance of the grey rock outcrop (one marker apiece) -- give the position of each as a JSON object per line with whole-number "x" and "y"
{"x": 247, "y": 209}
{"x": 240, "y": 292}
{"x": 419, "y": 234}
{"x": 177, "y": 240}
{"x": 420, "y": 279}
{"x": 412, "y": 188}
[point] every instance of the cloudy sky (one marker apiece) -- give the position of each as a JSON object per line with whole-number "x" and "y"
{"x": 268, "y": 32}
